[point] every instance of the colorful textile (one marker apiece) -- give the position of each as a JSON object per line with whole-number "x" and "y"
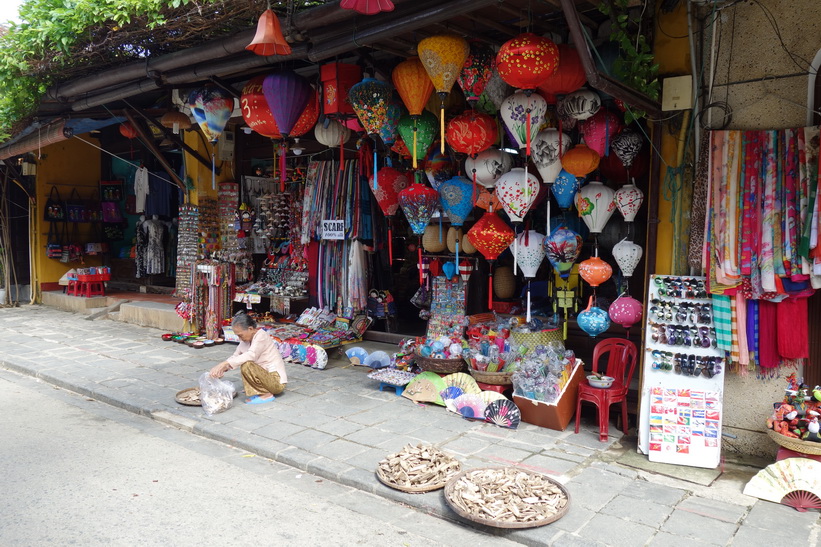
{"x": 793, "y": 339}
{"x": 723, "y": 321}
{"x": 767, "y": 335}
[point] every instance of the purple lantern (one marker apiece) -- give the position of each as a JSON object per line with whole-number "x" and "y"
{"x": 287, "y": 94}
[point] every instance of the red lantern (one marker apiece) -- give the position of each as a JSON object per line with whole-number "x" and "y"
{"x": 472, "y": 132}
{"x": 580, "y": 160}
{"x": 367, "y": 7}
{"x": 127, "y": 130}
{"x": 612, "y": 169}
{"x": 491, "y": 236}
{"x": 567, "y": 78}
{"x": 527, "y": 60}
{"x": 308, "y": 118}
{"x": 599, "y": 130}
{"x": 401, "y": 148}
{"x": 419, "y": 202}
{"x": 391, "y": 182}
{"x": 255, "y": 110}
{"x": 477, "y": 71}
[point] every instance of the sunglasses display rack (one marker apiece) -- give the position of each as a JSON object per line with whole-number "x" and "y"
{"x": 683, "y": 375}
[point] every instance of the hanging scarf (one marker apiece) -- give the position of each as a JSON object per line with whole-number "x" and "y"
{"x": 767, "y": 334}
{"x": 792, "y": 261}
{"x": 723, "y": 322}
{"x": 769, "y": 215}
{"x": 752, "y": 330}
{"x": 749, "y": 191}
{"x": 698, "y": 214}
{"x": 791, "y": 319}
{"x": 740, "y": 331}
{"x": 809, "y": 173}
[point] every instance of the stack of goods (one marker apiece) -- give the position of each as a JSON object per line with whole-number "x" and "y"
{"x": 543, "y": 372}
{"x": 796, "y": 417}
{"x": 209, "y": 227}
{"x": 187, "y": 245}
{"x": 489, "y": 347}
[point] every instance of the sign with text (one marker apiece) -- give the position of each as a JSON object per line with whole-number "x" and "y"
{"x": 333, "y": 229}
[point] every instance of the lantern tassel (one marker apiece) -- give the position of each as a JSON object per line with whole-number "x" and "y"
{"x": 527, "y": 135}
{"x": 457, "y": 249}
{"x": 282, "y": 168}
{"x": 213, "y": 172}
{"x": 442, "y": 124}
{"x": 490, "y": 289}
{"x": 390, "y": 245}
{"x": 440, "y": 226}
{"x": 375, "y": 168}
{"x": 419, "y": 251}
{"x": 515, "y": 254}
{"x": 528, "y": 300}
{"x": 415, "y": 166}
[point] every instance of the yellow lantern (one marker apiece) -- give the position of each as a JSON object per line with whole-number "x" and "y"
{"x": 443, "y": 57}
{"x": 580, "y": 160}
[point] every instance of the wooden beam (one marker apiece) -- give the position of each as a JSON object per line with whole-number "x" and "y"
{"x": 504, "y": 29}
{"x": 148, "y": 141}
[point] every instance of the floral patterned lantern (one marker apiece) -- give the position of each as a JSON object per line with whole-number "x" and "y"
{"x": 580, "y": 160}
{"x": 458, "y": 197}
{"x": 391, "y": 182}
{"x": 496, "y": 91}
{"x": 628, "y": 199}
{"x": 593, "y": 320}
{"x": 627, "y": 255}
{"x": 488, "y": 200}
{"x": 548, "y": 148}
{"x": 367, "y": 7}
{"x": 418, "y": 133}
{"x": 579, "y": 105}
{"x": 477, "y": 70}
{"x": 562, "y": 248}
{"x": 389, "y": 131}
{"x": 401, "y": 148}
{"x": 595, "y": 204}
{"x": 517, "y": 193}
{"x": 370, "y": 99}
{"x": 443, "y": 57}
{"x": 527, "y": 60}
{"x": 567, "y": 78}
{"x": 418, "y": 202}
{"x": 490, "y": 235}
{"x": 626, "y": 311}
{"x": 600, "y": 129}
{"x": 255, "y": 110}
{"x": 488, "y": 166}
{"x": 471, "y": 132}
{"x": 530, "y": 254}
{"x": 414, "y": 86}
{"x": 564, "y": 189}
{"x": 595, "y": 271}
{"x": 523, "y": 116}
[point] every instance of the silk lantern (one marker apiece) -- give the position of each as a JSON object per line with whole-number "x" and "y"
{"x": 418, "y": 133}
{"x": 562, "y": 248}
{"x": 401, "y": 148}
{"x": 414, "y": 86}
{"x": 567, "y": 78}
{"x": 465, "y": 269}
{"x": 625, "y": 310}
{"x": 491, "y": 236}
{"x": 595, "y": 271}
{"x": 331, "y": 133}
{"x": 439, "y": 167}
{"x": 627, "y": 145}
{"x": 579, "y": 105}
{"x": 287, "y": 94}
{"x": 496, "y": 91}
{"x": 523, "y": 116}
{"x": 564, "y": 189}
{"x": 612, "y": 168}
{"x": 488, "y": 166}
{"x": 443, "y": 57}
{"x": 307, "y": 120}
{"x": 268, "y": 39}
{"x": 595, "y": 204}
{"x": 212, "y": 109}
{"x": 391, "y": 183}
{"x": 593, "y": 320}
{"x": 517, "y": 193}
{"x": 580, "y": 160}
{"x": 367, "y": 7}
{"x": 488, "y": 200}
{"x": 627, "y": 255}
{"x": 549, "y": 146}
{"x": 530, "y": 253}
{"x": 600, "y": 129}
{"x": 418, "y": 202}
{"x": 370, "y": 99}
{"x": 458, "y": 197}
{"x": 476, "y": 71}
{"x": 389, "y": 131}
{"x": 527, "y": 60}
{"x": 628, "y": 200}
{"x": 255, "y": 110}
{"x": 127, "y": 130}
{"x": 471, "y": 133}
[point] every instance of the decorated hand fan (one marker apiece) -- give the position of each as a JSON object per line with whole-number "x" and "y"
{"x": 471, "y": 406}
{"x": 503, "y": 413}
{"x": 449, "y": 395}
{"x": 795, "y": 482}
{"x": 425, "y": 388}
{"x": 321, "y": 360}
{"x": 357, "y": 355}
{"x": 285, "y": 351}
{"x": 299, "y": 353}
{"x": 464, "y": 381}
{"x": 377, "y": 359}
{"x": 490, "y": 396}
{"x": 310, "y": 356}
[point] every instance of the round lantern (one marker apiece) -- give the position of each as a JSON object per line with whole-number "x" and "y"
{"x": 370, "y": 99}
{"x": 418, "y": 133}
{"x": 452, "y": 238}
{"x": 579, "y": 105}
{"x": 439, "y": 167}
{"x": 490, "y": 236}
{"x": 529, "y": 256}
{"x": 595, "y": 204}
{"x": 389, "y": 131}
{"x": 593, "y": 320}
{"x": 595, "y": 271}
{"x": 477, "y": 70}
{"x": 516, "y": 193}
{"x": 176, "y": 121}
{"x": 391, "y": 183}
{"x": 413, "y": 84}
{"x": 627, "y": 145}
{"x": 564, "y": 189}
{"x": 418, "y": 202}
{"x": 514, "y": 111}
{"x": 458, "y": 196}
{"x": 255, "y": 110}
{"x": 568, "y": 77}
{"x": 626, "y": 311}
{"x": 212, "y": 107}
{"x": 600, "y": 129}
{"x": 433, "y": 240}
{"x": 548, "y": 147}
{"x": 488, "y": 166}
{"x": 466, "y": 246}
{"x": 127, "y": 130}
{"x": 527, "y": 60}
{"x": 309, "y": 116}
{"x": 580, "y": 160}
{"x": 287, "y": 94}
{"x": 562, "y": 248}
{"x": 471, "y": 132}
{"x": 628, "y": 199}
{"x": 504, "y": 282}
{"x": 627, "y": 255}
{"x": 331, "y": 133}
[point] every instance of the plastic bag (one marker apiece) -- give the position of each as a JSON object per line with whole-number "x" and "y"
{"x": 216, "y": 395}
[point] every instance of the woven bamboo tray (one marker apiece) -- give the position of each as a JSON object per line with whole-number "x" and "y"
{"x": 499, "y": 524}
{"x": 430, "y": 487}
{"x": 443, "y": 366}
{"x": 493, "y": 378}
{"x": 796, "y": 445}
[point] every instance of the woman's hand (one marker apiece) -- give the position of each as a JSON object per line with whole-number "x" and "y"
{"x": 219, "y": 370}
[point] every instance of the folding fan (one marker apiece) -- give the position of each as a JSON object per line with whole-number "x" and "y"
{"x": 299, "y": 353}
{"x": 285, "y": 351}
{"x": 377, "y": 359}
{"x": 470, "y": 405}
{"x": 795, "y": 482}
{"x": 425, "y": 388}
{"x": 357, "y": 355}
{"x": 464, "y": 381}
{"x": 503, "y": 413}
{"x": 490, "y": 396}
{"x": 321, "y": 358}
{"x": 310, "y": 355}
{"x": 449, "y": 395}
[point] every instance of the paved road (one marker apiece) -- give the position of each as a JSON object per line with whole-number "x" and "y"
{"x": 76, "y": 471}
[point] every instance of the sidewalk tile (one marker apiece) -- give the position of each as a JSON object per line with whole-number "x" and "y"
{"x": 720, "y": 510}
{"x": 702, "y": 528}
{"x": 616, "y": 532}
{"x": 643, "y": 511}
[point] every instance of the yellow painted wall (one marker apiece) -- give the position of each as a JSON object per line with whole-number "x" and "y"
{"x": 68, "y": 164}
{"x": 201, "y": 174}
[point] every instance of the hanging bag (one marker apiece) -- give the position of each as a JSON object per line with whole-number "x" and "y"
{"x": 54, "y": 247}
{"x": 76, "y": 208}
{"x": 55, "y": 210}
{"x": 111, "y": 212}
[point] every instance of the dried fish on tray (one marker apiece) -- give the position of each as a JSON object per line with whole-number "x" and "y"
{"x": 415, "y": 469}
{"x": 507, "y": 497}
{"x": 189, "y": 397}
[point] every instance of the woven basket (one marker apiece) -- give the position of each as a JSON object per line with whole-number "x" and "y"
{"x": 796, "y": 445}
{"x": 443, "y": 366}
{"x": 449, "y": 487}
{"x": 430, "y": 239}
{"x": 533, "y": 339}
{"x": 494, "y": 378}
{"x": 430, "y": 487}
{"x": 504, "y": 282}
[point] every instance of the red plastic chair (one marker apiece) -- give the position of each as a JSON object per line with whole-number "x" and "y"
{"x": 621, "y": 364}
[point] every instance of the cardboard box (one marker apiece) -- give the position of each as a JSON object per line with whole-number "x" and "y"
{"x": 553, "y": 415}
{"x": 337, "y": 80}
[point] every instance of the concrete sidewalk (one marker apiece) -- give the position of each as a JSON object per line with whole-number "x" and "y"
{"x": 336, "y": 424}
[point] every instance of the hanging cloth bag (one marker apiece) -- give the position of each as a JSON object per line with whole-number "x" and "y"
{"x": 54, "y": 246}
{"x": 76, "y": 208}
{"x": 55, "y": 208}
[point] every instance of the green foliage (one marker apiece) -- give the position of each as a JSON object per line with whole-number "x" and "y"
{"x": 635, "y": 64}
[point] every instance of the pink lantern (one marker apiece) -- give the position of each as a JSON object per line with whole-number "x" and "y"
{"x": 626, "y": 311}
{"x": 599, "y": 131}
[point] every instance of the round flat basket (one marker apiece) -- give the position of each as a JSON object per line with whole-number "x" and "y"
{"x": 430, "y": 487}
{"x": 186, "y": 397}
{"x": 444, "y": 366}
{"x": 452, "y": 501}
{"x": 494, "y": 378}
{"x": 796, "y": 445}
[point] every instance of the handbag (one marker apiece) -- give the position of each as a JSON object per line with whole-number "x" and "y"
{"x": 55, "y": 208}
{"x": 54, "y": 247}
{"x": 76, "y": 208}
{"x": 111, "y": 212}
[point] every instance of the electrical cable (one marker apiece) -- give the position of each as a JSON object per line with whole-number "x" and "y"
{"x": 774, "y": 24}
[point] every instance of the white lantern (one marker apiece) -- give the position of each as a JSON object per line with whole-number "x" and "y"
{"x": 595, "y": 204}
{"x": 627, "y": 255}
{"x": 516, "y": 194}
{"x": 530, "y": 252}
{"x": 628, "y": 200}
{"x": 546, "y": 154}
{"x": 332, "y": 135}
{"x": 514, "y": 115}
{"x": 579, "y": 105}
{"x": 489, "y": 165}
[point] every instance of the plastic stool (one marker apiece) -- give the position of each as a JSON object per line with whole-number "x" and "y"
{"x": 397, "y": 389}
{"x": 73, "y": 288}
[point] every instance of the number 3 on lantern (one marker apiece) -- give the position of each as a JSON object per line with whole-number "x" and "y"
{"x": 246, "y": 108}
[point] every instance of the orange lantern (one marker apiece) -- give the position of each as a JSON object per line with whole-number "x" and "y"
{"x": 567, "y": 78}
{"x": 412, "y": 82}
{"x": 595, "y": 271}
{"x": 127, "y": 130}
{"x": 487, "y": 200}
{"x": 269, "y": 39}
{"x": 580, "y": 160}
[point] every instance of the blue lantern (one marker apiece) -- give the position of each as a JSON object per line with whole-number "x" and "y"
{"x": 565, "y": 189}
{"x": 593, "y": 320}
{"x": 458, "y": 197}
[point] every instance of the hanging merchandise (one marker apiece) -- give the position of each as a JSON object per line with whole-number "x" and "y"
{"x": 389, "y": 130}
{"x": 527, "y": 60}
{"x": 580, "y": 160}
{"x": 308, "y": 118}
{"x": 471, "y": 133}
{"x": 127, "y": 130}
{"x": 488, "y": 200}
{"x": 268, "y": 39}
{"x": 579, "y": 105}
{"x": 414, "y": 86}
{"x": 530, "y": 254}
{"x": 488, "y": 166}
{"x": 439, "y": 167}
{"x": 466, "y": 246}
{"x": 391, "y": 182}
{"x": 562, "y": 248}
{"x": 627, "y": 255}
{"x": 523, "y": 116}
{"x": 628, "y": 200}
{"x": 331, "y": 133}
{"x": 491, "y": 236}
{"x": 370, "y": 99}
{"x": 595, "y": 204}
{"x": 367, "y": 7}
{"x": 625, "y": 311}
{"x": 496, "y": 91}
{"x": 593, "y": 320}
{"x": 595, "y": 271}
{"x": 612, "y": 169}
{"x": 548, "y": 148}
{"x": 419, "y": 131}
{"x": 418, "y": 202}
{"x": 565, "y": 188}
{"x": 255, "y": 110}
{"x": 516, "y": 193}
{"x": 458, "y": 197}
{"x": 443, "y": 57}
{"x": 432, "y": 240}
{"x": 401, "y": 148}
{"x": 567, "y": 78}
{"x": 477, "y": 70}
{"x": 211, "y": 107}
{"x": 287, "y": 94}
{"x": 600, "y": 130}
{"x": 175, "y": 121}
{"x": 337, "y": 80}
{"x": 627, "y": 145}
